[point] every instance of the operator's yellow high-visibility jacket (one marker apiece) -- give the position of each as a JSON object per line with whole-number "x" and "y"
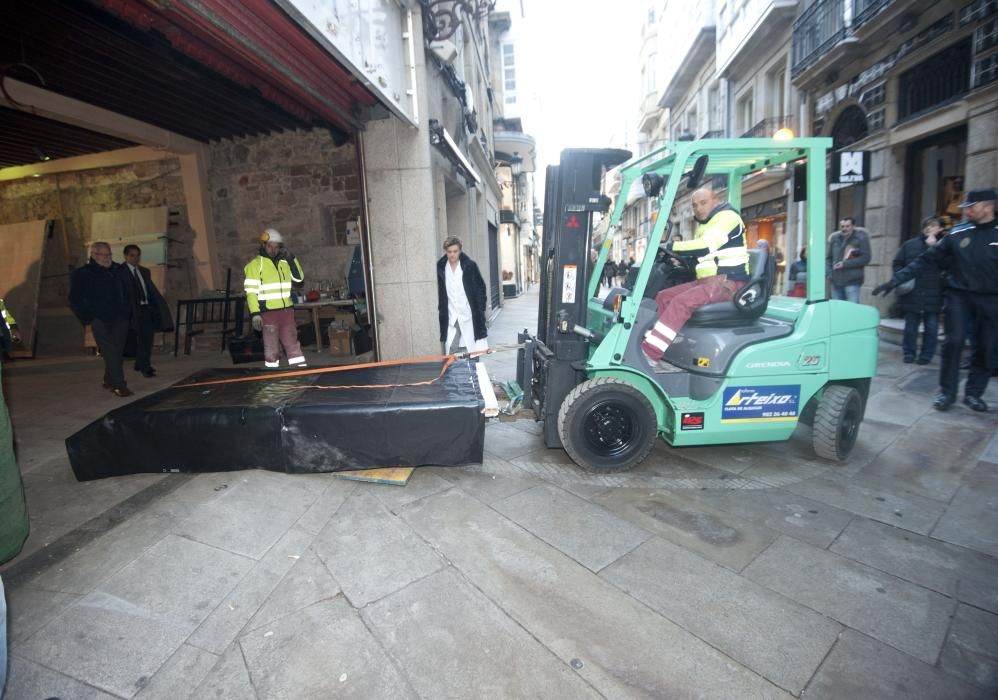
{"x": 6, "y": 317}
{"x": 719, "y": 244}
{"x": 268, "y": 282}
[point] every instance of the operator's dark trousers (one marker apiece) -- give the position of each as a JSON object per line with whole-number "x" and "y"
{"x": 959, "y": 305}
{"x": 111, "y": 337}
{"x": 143, "y": 338}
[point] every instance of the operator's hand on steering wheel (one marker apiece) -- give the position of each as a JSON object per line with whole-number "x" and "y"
{"x": 884, "y": 289}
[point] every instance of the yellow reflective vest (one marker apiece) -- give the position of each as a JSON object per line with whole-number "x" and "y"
{"x": 6, "y": 317}
{"x": 719, "y": 244}
{"x": 268, "y": 283}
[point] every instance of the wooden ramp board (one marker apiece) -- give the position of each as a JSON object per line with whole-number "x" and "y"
{"x": 491, "y": 409}
{"x": 397, "y": 476}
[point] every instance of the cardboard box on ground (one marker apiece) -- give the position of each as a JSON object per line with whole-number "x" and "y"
{"x": 341, "y": 330}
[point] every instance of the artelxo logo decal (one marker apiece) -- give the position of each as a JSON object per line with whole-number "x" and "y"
{"x": 745, "y": 403}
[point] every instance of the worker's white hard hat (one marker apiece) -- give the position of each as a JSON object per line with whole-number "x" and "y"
{"x": 271, "y": 235}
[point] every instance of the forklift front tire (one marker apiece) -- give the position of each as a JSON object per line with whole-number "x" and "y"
{"x": 836, "y": 422}
{"x": 607, "y": 425}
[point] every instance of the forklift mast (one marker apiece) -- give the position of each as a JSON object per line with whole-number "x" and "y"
{"x": 571, "y": 195}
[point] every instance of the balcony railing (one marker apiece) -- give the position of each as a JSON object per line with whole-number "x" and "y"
{"x": 819, "y": 28}
{"x": 865, "y": 10}
{"x": 769, "y": 126}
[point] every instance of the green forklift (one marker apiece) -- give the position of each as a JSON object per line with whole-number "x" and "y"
{"x": 743, "y": 371}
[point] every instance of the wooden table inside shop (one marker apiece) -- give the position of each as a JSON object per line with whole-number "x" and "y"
{"x": 316, "y": 307}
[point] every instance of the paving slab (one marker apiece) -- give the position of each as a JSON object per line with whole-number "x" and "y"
{"x": 138, "y": 617}
{"x": 229, "y": 679}
{"x": 306, "y": 583}
{"x": 618, "y": 645}
{"x": 61, "y": 499}
{"x": 84, "y": 570}
{"x": 29, "y": 609}
{"x": 896, "y": 406}
{"x": 421, "y": 483}
{"x": 860, "y": 667}
{"x": 873, "y": 500}
{"x": 990, "y": 453}
{"x": 951, "y": 570}
{"x": 971, "y": 649}
{"x": 971, "y": 519}
{"x": 782, "y": 511}
{"x": 930, "y": 457}
{"x": 661, "y": 472}
{"x": 325, "y": 506}
{"x": 908, "y": 617}
{"x": 226, "y": 619}
{"x": 874, "y": 437}
{"x": 321, "y": 651}
{"x": 453, "y": 642}
{"x": 505, "y": 441}
{"x": 370, "y": 552}
{"x": 490, "y": 481}
{"x": 231, "y": 522}
{"x": 728, "y": 611}
{"x": 180, "y": 675}
{"x": 589, "y": 534}
{"x": 27, "y": 679}
{"x": 712, "y": 533}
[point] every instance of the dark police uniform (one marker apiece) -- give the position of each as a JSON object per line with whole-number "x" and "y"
{"x": 969, "y": 255}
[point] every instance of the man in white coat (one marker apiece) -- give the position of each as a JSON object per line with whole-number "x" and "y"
{"x": 461, "y": 299}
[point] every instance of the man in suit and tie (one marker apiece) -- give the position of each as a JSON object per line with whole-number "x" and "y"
{"x": 149, "y": 310}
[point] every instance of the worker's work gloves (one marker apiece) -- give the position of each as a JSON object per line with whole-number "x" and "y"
{"x": 257, "y": 322}
{"x": 884, "y": 289}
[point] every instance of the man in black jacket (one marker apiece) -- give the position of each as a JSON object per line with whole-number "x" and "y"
{"x": 149, "y": 310}
{"x": 99, "y": 297}
{"x": 461, "y": 299}
{"x": 969, "y": 254}
{"x": 922, "y": 303}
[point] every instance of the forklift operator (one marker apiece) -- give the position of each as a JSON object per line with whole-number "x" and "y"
{"x": 721, "y": 270}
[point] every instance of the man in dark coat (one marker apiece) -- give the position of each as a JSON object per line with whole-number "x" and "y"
{"x": 99, "y": 298}
{"x": 923, "y": 303}
{"x": 149, "y": 310}
{"x": 461, "y": 299}
{"x": 848, "y": 254}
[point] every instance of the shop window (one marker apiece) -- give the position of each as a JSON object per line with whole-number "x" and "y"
{"x": 935, "y": 81}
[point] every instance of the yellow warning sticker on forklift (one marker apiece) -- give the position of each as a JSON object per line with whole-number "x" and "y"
{"x": 760, "y": 403}
{"x": 703, "y": 362}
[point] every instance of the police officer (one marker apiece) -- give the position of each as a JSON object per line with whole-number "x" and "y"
{"x": 969, "y": 254}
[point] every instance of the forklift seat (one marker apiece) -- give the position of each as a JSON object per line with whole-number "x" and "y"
{"x": 749, "y": 302}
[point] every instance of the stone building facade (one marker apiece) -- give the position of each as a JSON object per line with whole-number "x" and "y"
{"x": 915, "y": 85}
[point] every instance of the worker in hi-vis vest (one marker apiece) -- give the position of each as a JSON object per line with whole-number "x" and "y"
{"x": 269, "y": 277}
{"x": 8, "y": 328}
{"x": 721, "y": 269}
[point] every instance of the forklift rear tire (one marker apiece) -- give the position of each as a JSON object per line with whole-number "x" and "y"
{"x": 607, "y": 425}
{"x": 836, "y": 422}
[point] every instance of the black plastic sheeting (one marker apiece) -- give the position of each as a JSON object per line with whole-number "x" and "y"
{"x": 282, "y": 425}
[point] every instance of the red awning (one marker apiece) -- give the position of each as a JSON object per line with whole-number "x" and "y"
{"x": 256, "y": 45}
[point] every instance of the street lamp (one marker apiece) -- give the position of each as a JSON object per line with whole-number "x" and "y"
{"x": 516, "y": 164}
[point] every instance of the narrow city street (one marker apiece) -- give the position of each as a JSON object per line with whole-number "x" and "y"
{"x": 727, "y": 572}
